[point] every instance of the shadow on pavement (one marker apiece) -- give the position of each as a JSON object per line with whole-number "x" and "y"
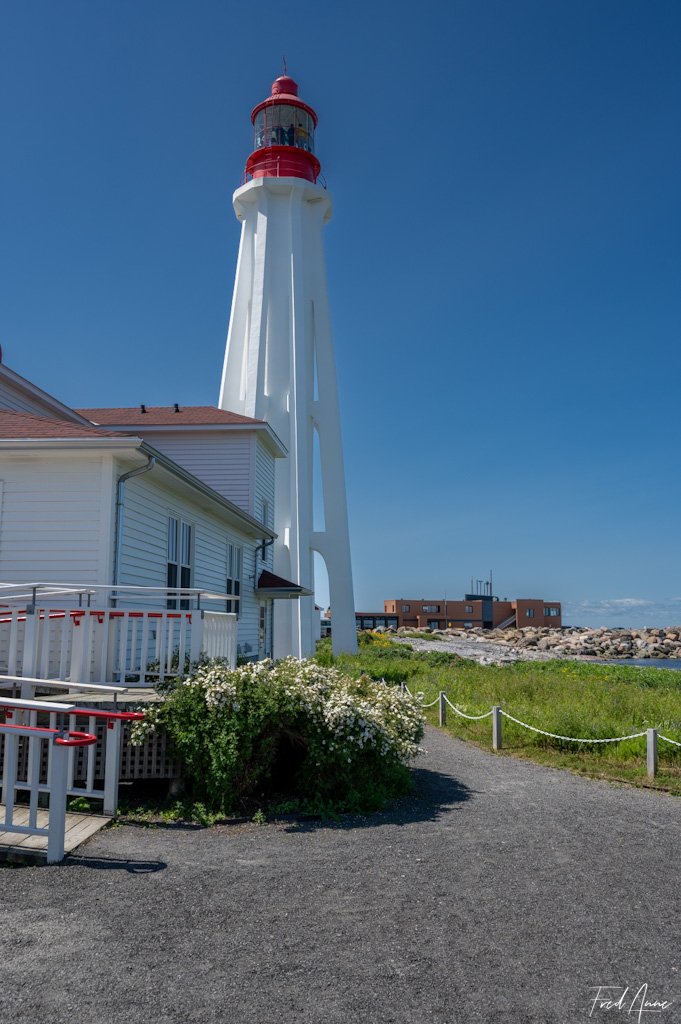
{"x": 133, "y": 867}
{"x": 434, "y": 795}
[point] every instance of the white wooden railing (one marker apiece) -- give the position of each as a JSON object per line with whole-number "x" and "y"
{"x": 135, "y": 646}
{"x": 60, "y": 744}
{"x": 81, "y": 775}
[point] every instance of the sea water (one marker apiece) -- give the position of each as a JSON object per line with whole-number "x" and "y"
{"x": 645, "y": 662}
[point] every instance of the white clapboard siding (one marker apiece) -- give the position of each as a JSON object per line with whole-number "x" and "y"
{"x": 223, "y": 461}
{"x": 51, "y": 521}
{"x": 144, "y": 547}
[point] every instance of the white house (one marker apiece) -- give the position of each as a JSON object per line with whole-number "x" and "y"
{"x": 179, "y": 499}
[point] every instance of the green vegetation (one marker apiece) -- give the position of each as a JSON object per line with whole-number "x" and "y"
{"x": 155, "y": 813}
{"x": 567, "y": 697}
{"x": 294, "y": 733}
{"x": 80, "y": 805}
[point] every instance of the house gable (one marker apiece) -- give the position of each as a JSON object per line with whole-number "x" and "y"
{"x": 20, "y": 395}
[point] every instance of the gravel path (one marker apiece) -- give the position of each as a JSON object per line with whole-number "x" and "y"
{"x": 501, "y": 891}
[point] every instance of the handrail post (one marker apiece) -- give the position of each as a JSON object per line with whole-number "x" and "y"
{"x": 442, "y": 710}
{"x": 651, "y": 752}
{"x": 112, "y": 764}
{"x": 496, "y": 727}
{"x": 57, "y": 819}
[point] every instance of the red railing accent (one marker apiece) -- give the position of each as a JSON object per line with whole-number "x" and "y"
{"x": 76, "y": 739}
{"x": 77, "y": 613}
{"x": 125, "y": 716}
{"x": 72, "y": 739}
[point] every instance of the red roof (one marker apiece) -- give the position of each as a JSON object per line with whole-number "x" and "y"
{"x": 165, "y": 416}
{"x": 22, "y": 425}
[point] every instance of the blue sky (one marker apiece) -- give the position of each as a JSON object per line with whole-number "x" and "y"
{"x": 504, "y": 261}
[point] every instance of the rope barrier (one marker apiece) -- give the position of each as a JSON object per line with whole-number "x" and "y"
{"x": 471, "y": 718}
{"x": 542, "y": 732}
{"x": 571, "y": 739}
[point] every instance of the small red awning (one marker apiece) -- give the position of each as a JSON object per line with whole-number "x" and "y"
{"x": 273, "y": 586}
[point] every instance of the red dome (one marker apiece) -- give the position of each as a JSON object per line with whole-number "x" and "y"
{"x": 286, "y": 85}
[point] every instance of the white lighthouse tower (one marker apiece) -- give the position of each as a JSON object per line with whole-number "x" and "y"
{"x": 279, "y": 362}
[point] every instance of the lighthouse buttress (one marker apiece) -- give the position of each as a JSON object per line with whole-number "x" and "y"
{"x": 279, "y": 361}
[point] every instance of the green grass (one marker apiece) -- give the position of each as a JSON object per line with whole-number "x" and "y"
{"x": 568, "y": 697}
{"x": 147, "y": 811}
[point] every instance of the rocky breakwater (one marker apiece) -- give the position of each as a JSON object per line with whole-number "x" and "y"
{"x": 579, "y": 642}
{"x": 573, "y": 642}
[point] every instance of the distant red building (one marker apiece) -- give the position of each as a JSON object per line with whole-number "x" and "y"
{"x": 482, "y": 610}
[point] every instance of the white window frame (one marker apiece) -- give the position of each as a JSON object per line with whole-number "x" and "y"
{"x": 234, "y": 576}
{"x": 179, "y": 556}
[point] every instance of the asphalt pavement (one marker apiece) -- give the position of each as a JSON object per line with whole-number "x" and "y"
{"x": 499, "y": 891}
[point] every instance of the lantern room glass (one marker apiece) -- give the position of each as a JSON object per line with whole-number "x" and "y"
{"x": 282, "y": 124}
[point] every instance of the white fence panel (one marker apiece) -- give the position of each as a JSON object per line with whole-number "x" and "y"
{"x": 218, "y": 638}
{"x": 24, "y": 819}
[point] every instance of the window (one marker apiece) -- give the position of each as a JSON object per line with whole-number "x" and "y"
{"x": 233, "y": 581}
{"x": 430, "y": 608}
{"x": 552, "y": 612}
{"x": 179, "y": 572}
{"x": 406, "y": 607}
{"x": 529, "y": 613}
{"x": 468, "y": 609}
{"x": 282, "y": 124}
{"x": 433, "y": 623}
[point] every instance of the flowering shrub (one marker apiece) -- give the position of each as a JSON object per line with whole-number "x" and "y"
{"x": 293, "y": 730}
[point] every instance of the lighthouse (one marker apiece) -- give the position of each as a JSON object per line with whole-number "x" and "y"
{"x": 279, "y": 362}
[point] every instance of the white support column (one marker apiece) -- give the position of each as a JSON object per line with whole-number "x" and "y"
{"x": 9, "y": 775}
{"x": 30, "y": 658}
{"x": 196, "y": 636}
{"x": 112, "y": 764}
{"x": 57, "y": 818}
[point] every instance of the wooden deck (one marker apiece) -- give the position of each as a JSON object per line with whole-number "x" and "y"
{"x": 18, "y": 847}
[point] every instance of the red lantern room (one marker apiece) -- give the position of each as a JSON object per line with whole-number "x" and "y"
{"x": 283, "y": 135}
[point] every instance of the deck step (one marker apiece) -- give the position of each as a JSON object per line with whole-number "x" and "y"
{"x": 33, "y": 849}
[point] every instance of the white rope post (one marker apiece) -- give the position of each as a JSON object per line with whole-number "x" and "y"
{"x": 496, "y": 727}
{"x": 403, "y": 687}
{"x": 442, "y": 708}
{"x": 651, "y": 752}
